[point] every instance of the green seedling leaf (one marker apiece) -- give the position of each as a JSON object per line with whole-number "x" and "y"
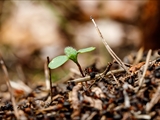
{"x": 58, "y": 61}
{"x": 86, "y": 50}
{"x": 71, "y": 53}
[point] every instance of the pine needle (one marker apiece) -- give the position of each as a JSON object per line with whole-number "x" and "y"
{"x": 111, "y": 52}
{"x": 145, "y": 69}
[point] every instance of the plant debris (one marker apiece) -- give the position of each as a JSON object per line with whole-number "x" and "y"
{"x": 112, "y": 94}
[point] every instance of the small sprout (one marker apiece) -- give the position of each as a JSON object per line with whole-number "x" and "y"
{"x": 71, "y": 54}
{"x": 86, "y": 50}
{"x": 58, "y": 61}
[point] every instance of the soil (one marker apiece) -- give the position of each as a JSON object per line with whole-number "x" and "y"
{"x": 109, "y": 93}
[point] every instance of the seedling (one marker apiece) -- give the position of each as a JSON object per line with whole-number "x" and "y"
{"x": 70, "y": 54}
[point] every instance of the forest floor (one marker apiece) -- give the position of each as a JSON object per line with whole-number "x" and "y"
{"x": 109, "y": 93}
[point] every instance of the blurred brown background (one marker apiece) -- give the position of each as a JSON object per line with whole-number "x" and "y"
{"x": 31, "y": 30}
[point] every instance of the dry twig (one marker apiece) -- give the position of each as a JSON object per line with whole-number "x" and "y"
{"x": 139, "y": 55}
{"x": 154, "y": 100}
{"x": 145, "y": 69}
{"x": 115, "y": 79}
{"x": 48, "y": 76}
{"x": 118, "y": 60}
{"x": 9, "y": 87}
{"x": 87, "y": 78}
{"x": 46, "y": 72}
